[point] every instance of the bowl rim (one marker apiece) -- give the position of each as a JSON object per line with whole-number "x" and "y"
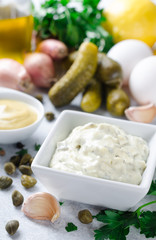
{"x": 23, "y": 96}
{"x": 36, "y": 163}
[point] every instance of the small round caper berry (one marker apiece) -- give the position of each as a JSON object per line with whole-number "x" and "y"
{"x": 25, "y": 169}
{"x": 2, "y": 152}
{"x": 25, "y": 159}
{"x": 9, "y": 168}
{"x": 49, "y": 116}
{"x": 28, "y": 181}
{"x": 15, "y": 160}
{"x": 39, "y": 97}
{"x": 19, "y": 145}
{"x": 5, "y": 182}
{"x": 17, "y": 198}
{"x": 12, "y": 226}
{"x": 85, "y": 216}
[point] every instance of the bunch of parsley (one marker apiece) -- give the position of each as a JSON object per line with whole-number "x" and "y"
{"x": 117, "y": 223}
{"x": 73, "y": 22}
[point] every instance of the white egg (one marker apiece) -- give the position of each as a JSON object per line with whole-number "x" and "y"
{"x": 128, "y": 53}
{"x": 142, "y": 82}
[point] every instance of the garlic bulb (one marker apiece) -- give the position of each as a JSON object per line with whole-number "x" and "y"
{"x": 42, "y": 206}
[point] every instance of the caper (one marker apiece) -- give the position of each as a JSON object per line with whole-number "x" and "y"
{"x": 12, "y": 226}
{"x": 19, "y": 145}
{"x": 25, "y": 169}
{"x": 5, "y": 182}
{"x": 39, "y": 97}
{"x": 25, "y": 159}
{"x": 49, "y": 116}
{"x": 28, "y": 181}
{"x": 15, "y": 160}
{"x": 17, "y": 198}
{"x": 9, "y": 167}
{"x": 30, "y": 161}
{"x": 2, "y": 152}
{"x": 85, "y": 216}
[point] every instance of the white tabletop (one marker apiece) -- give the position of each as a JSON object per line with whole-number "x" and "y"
{"x": 30, "y": 229}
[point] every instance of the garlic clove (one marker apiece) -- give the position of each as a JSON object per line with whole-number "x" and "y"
{"x": 145, "y": 114}
{"x": 42, "y": 206}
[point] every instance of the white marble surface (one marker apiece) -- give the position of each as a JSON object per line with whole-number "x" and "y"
{"x": 34, "y": 229}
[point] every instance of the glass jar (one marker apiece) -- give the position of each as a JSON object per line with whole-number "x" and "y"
{"x": 16, "y": 25}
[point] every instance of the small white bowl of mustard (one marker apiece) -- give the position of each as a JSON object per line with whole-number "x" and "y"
{"x": 20, "y": 115}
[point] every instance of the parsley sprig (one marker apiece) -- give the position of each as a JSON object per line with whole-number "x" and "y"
{"x": 73, "y": 22}
{"x": 117, "y": 223}
{"x": 71, "y": 227}
{"x": 152, "y": 190}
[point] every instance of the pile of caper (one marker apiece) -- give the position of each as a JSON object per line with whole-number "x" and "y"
{"x": 23, "y": 163}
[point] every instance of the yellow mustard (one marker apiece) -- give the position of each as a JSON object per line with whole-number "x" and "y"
{"x": 16, "y": 114}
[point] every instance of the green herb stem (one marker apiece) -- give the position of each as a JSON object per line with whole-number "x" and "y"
{"x": 142, "y": 206}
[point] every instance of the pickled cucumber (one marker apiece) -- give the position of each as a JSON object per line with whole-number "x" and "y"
{"x": 117, "y": 101}
{"x": 92, "y": 97}
{"x": 77, "y": 77}
{"x": 108, "y": 71}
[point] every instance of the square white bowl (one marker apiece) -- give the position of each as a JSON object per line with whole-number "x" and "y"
{"x": 86, "y": 189}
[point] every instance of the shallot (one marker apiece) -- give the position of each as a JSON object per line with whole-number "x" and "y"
{"x": 41, "y": 69}
{"x": 14, "y": 75}
{"x": 55, "y": 48}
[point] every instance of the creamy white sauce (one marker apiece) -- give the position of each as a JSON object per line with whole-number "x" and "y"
{"x": 103, "y": 151}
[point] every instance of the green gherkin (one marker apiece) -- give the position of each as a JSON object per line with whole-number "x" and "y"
{"x": 92, "y": 97}
{"x": 108, "y": 71}
{"x": 117, "y": 101}
{"x": 77, "y": 77}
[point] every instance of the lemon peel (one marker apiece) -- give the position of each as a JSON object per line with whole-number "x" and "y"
{"x": 132, "y": 19}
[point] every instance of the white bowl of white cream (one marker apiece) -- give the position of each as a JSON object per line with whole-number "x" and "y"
{"x": 20, "y": 115}
{"x": 84, "y": 184}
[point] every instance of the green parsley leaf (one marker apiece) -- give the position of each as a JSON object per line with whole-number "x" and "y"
{"x": 148, "y": 224}
{"x": 106, "y": 232}
{"x": 73, "y": 23}
{"x": 152, "y": 190}
{"x": 61, "y": 203}
{"x": 70, "y": 227}
{"x": 117, "y": 224}
{"x": 37, "y": 146}
{"x": 22, "y": 152}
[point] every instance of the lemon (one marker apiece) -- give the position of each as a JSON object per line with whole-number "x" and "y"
{"x": 132, "y": 19}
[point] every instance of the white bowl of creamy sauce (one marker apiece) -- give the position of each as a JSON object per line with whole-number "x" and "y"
{"x": 20, "y": 115}
{"x": 104, "y": 151}
{"x": 97, "y": 160}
